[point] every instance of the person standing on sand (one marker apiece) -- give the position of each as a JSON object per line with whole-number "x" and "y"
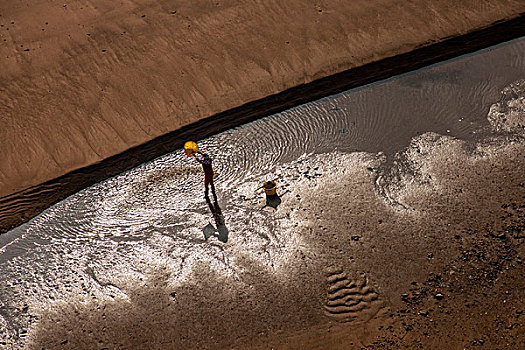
{"x": 205, "y": 160}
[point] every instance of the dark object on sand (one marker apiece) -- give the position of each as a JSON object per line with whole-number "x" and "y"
{"x": 272, "y": 198}
{"x": 273, "y": 201}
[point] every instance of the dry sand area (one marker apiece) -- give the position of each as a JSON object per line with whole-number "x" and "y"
{"x": 85, "y": 80}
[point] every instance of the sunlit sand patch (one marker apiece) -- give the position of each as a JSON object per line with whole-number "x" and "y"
{"x": 360, "y": 232}
{"x": 439, "y": 164}
{"x": 509, "y": 113}
{"x": 412, "y": 170}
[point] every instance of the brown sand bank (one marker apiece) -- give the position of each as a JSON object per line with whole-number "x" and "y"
{"x": 84, "y": 81}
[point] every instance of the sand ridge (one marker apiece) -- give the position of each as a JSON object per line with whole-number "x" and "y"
{"x": 83, "y": 81}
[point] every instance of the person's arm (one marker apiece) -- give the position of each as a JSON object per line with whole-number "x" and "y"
{"x": 197, "y": 157}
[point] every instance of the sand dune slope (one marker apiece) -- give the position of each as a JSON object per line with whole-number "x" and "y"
{"x": 84, "y": 80}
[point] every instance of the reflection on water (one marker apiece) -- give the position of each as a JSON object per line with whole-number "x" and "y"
{"x": 157, "y": 211}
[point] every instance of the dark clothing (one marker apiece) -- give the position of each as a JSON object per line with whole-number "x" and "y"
{"x": 205, "y": 160}
{"x": 208, "y": 179}
{"x": 208, "y": 170}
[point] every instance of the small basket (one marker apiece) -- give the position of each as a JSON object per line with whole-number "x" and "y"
{"x": 270, "y": 188}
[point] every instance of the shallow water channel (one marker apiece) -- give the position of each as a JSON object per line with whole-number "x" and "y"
{"x": 114, "y": 231}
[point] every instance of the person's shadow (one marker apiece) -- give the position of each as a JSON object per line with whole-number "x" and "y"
{"x": 220, "y": 230}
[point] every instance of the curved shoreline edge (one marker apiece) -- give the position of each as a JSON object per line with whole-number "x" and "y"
{"x": 21, "y": 206}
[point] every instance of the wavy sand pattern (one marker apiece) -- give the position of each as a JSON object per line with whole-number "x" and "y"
{"x": 86, "y": 80}
{"x": 350, "y": 300}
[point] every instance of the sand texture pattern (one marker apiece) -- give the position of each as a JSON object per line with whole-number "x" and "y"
{"x": 88, "y": 80}
{"x": 85, "y": 80}
{"x": 398, "y": 223}
{"x": 452, "y": 236}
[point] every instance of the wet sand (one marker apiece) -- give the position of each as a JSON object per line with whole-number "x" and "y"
{"x": 435, "y": 264}
{"x": 400, "y": 226}
{"x": 85, "y": 82}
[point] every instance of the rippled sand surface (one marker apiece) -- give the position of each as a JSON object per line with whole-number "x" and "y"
{"x": 372, "y": 181}
{"x": 86, "y": 80}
